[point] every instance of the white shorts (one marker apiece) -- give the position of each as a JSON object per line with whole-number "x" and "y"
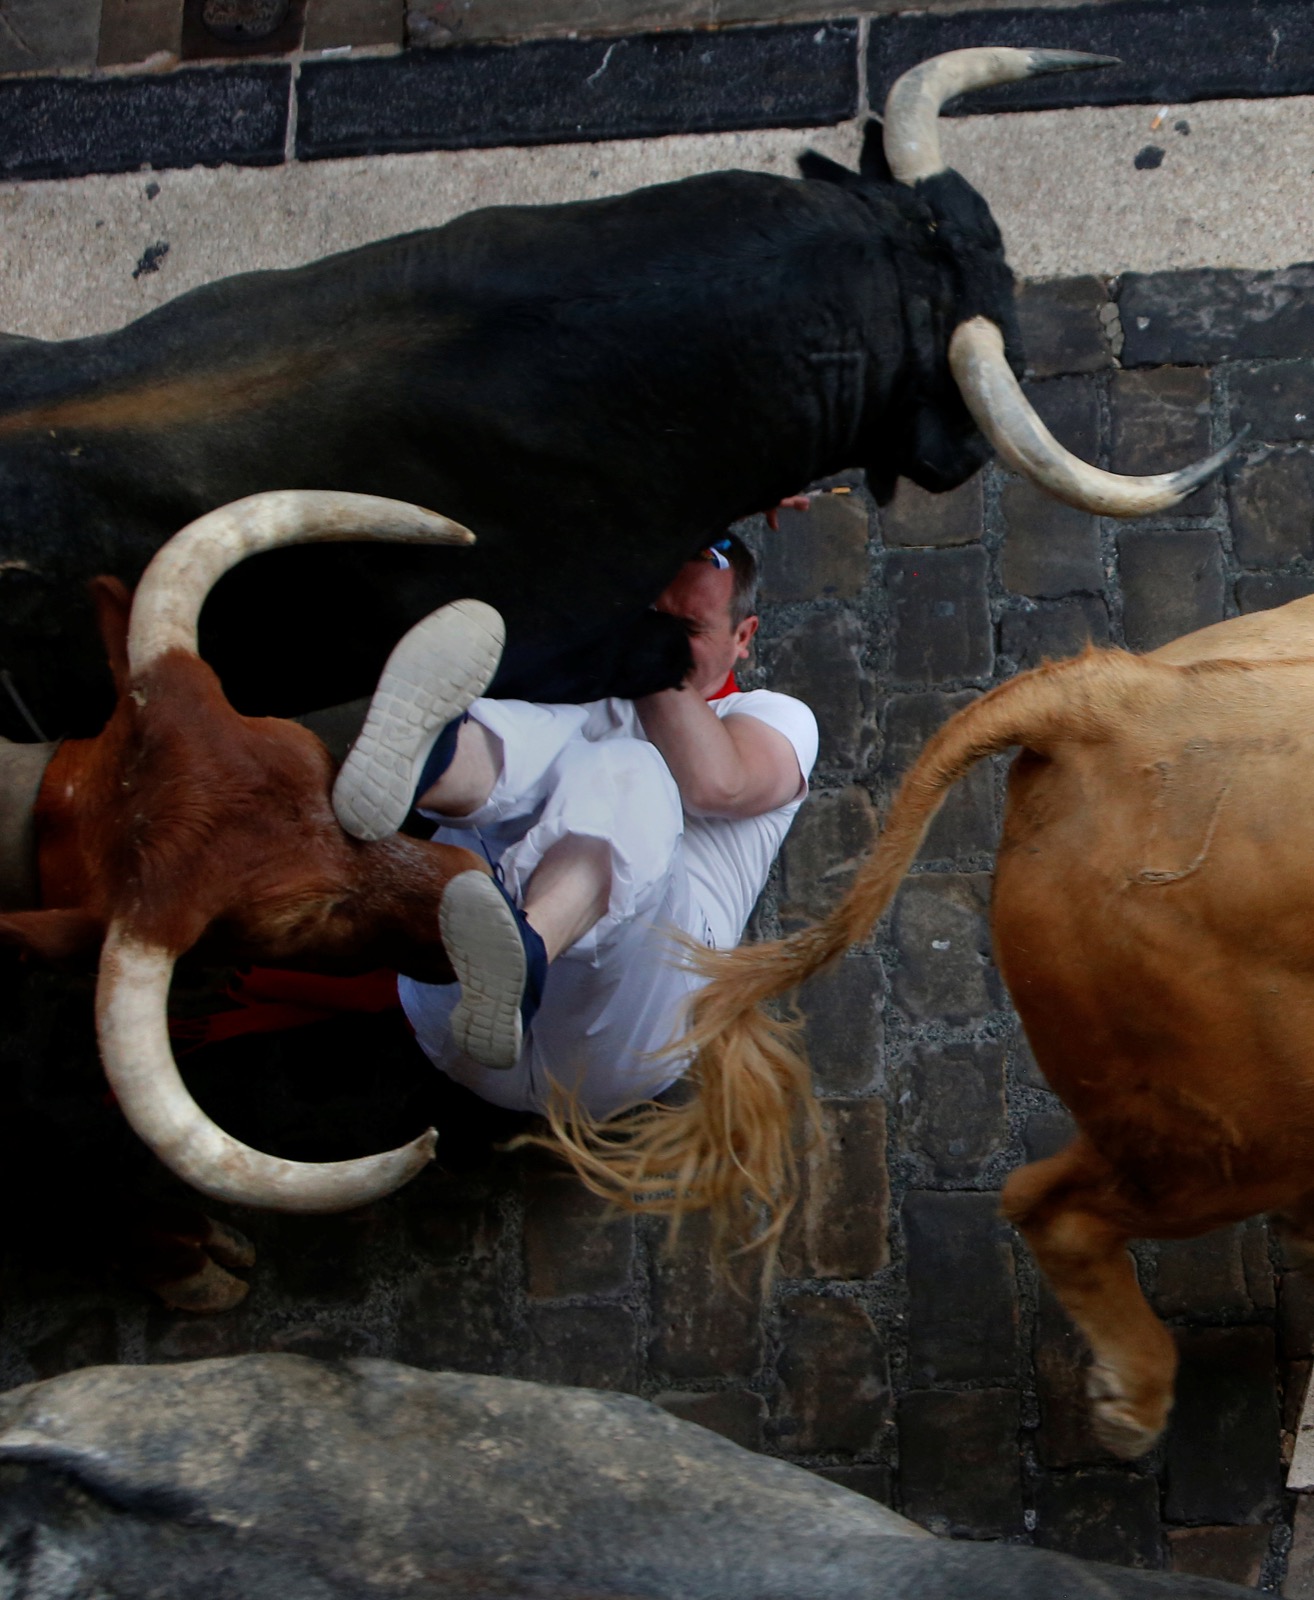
{"x": 618, "y": 996}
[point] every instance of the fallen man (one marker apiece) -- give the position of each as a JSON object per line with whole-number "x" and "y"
{"x": 610, "y": 826}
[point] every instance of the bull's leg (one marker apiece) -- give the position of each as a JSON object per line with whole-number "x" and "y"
{"x": 183, "y": 1256}
{"x": 1064, "y": 1209}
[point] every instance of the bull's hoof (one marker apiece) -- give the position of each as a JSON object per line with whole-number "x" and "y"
{"x": 228, "y": 1247}
{"x": 1124, "y": 1427}
{"x": 186, "y": 1259}
{"x": 207, "y": 1291}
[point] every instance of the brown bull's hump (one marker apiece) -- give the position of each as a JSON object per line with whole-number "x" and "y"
{"x": 171, "y": 402}
{"x": 1152, "y": 921}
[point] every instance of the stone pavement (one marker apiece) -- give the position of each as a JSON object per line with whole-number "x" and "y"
{"x": 906, "y": 1349}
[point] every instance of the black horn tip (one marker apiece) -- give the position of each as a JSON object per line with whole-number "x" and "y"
{"x": 1234, "y": 443}
{"x": 1068, "y": 61}
{"x": 1192, "y": 477}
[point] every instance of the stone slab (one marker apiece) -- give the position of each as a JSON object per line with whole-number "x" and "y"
{"x": 1301, "y": 1473}
{"x": 1212, "y": 316}
{"x": 330, "y": 24}
{"x": 60, "y": 127}
{"x": 1225, "y": 1413}
{"x": 1051, "y": 632}
{"x": 1102, "y": 1515}
{"x": 958, "y": 1458}
{"x": 822, "y": 663}
{"x": 835, "y": 1382}
{"x": 556, "y": 91}
{"x": 1236, "y": 1555}
{"x": 48, "y": 35}
{"x": 1069, "y": 199}
{"x": 1172, "y": 584}
{"x": 962, "y": 1289}
{"x": 967, "y": 823}
{"x": 442, "y": 22}
{"x": 843, "y": 1027}
{"x": 941, "y": 614}
{"x": 840, "y": 1226}
{"x": 133, "y": 30}
{"x": 956, "y": 1118}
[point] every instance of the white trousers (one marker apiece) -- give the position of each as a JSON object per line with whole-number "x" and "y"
{"x": 618, "y": 996}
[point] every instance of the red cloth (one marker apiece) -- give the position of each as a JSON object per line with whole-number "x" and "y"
{"x": 271, "y": 999}
{"x": 728, "y": 687}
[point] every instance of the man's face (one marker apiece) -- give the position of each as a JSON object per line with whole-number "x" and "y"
{"x": 700, "y": 597}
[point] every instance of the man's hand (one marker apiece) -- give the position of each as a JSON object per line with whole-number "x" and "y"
{"x": 791, "y": 502}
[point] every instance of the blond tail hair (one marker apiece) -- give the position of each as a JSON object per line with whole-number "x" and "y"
{"x": 733, "y": 1146}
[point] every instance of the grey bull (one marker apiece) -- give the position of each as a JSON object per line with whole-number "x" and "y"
{"x": 271, "y": 1477}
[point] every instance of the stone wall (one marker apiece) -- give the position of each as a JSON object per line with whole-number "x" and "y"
{"x": 906, "y": 1347}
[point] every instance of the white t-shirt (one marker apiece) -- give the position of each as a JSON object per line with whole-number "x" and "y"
{"x": 728, "y": 858}
{"x": 614, "y": 1000}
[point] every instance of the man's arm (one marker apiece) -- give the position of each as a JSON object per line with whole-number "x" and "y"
{"x": 731, "y": 767}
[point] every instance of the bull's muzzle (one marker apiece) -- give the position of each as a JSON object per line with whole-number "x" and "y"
{"x": 132, "y": 987}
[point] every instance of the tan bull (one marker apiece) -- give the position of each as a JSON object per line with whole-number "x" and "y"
{"x": 1153, "y": 922}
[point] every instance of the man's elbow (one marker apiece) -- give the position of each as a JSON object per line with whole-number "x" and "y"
{"x": 716, "y": 800}
{"x": 735, "y": 802}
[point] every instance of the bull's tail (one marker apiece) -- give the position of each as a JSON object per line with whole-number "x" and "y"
{"x": 733, "y": 1146}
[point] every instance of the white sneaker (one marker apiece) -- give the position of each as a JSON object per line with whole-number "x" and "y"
{"x": 442, "y": 664}
{"x": 500, "y": 962}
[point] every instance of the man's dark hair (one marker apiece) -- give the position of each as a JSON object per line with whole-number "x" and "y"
{"x": 743, "y": 597}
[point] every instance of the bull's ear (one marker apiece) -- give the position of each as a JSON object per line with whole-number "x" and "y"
{"x": 113, "y": 602}
{"x": 872, "y": 163}
{"x": 812, "y": 164}
{"x": 53, "y": 937}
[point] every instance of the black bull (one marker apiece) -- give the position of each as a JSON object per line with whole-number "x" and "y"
{"x": 596, "y": 389}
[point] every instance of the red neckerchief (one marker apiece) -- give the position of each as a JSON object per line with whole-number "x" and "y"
{"x": 728, "y": 687}
{"x": 272, "y": 999}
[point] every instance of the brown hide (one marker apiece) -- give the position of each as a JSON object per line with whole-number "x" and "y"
{"x": 209, "y": 830}
{"x": 1152, "y": 921}
{"x": 205, "y": 829}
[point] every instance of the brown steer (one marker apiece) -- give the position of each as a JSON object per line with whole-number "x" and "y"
{"x": 186, "y": 827}
{"x": 1152, "y": 919}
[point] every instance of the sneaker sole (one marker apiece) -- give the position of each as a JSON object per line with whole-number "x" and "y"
{"x": 441, "y": 665}
{"x": 482, "y": 941}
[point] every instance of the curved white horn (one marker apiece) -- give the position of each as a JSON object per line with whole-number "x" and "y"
{"x": 1006, "y": 417}
{"x": 132, "y": 992}
{"x": 173, "y": 588}
{"x": 912, "y": 139}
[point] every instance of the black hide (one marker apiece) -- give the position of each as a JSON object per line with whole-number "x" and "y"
{"x": 596, "y": 389}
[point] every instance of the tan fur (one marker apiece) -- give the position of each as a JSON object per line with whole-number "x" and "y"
{"x": 1151, "y": 919}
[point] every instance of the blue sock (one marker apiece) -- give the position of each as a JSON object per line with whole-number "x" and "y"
{"x": 441, "y": 756}
{"x": 536, "y": 961}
